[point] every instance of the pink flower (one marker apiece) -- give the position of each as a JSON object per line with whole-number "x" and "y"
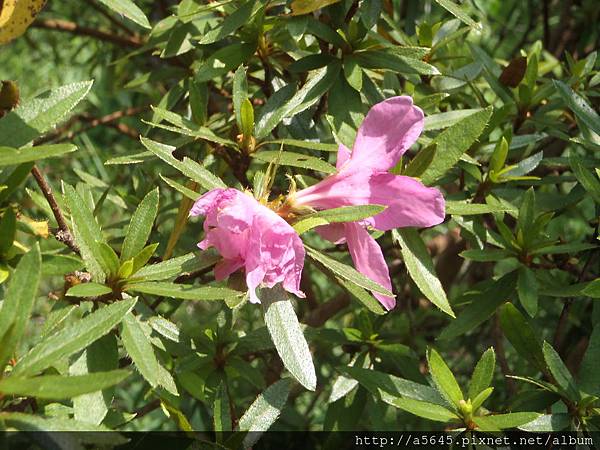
{"x": 249, "y": 235}
{"x": 389, "y": 129}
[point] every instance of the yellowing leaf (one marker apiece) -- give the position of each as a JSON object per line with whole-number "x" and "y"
{"x": 300, "y": 7}
{"x": 16, "y": 16}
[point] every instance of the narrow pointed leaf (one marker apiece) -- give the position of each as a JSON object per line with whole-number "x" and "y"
{"x": 287, "y": 336}
{"x": 73, "y": 338}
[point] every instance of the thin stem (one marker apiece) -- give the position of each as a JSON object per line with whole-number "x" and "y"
{"x": 73, "y": 28}
{"x": 63, "y": 234}
{"x": 501, "y": 355}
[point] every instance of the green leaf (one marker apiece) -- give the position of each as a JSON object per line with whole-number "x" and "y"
{"x": 184, "y": 126}
{"x": 239, "y": 17}
{"x": 586, "y": 177}
{"x": 166, "y": 269}
{"x": 342, "y": 384}
{"x": 563, "y": 248}
{"x": 187, "y": 167}
{"x": 221, "y": 413}
{"x": 287, "y": 335}
{"x": 224, "y": 60}
{"x": 60, "y": 264}
{"x": 527, "y": 288}
{"x": 347, "y": 272}
{"x": 421, "y": 268}
{"x": 101, "y": 356}
{"x": 128, "y": 9}
{"x": 18, "y": 302}
{"x": 443, "y": 378}
{"x": 273, "y": 111}
{"x": 300, "y": 7}
{"x": 87, "y": 233}
{"x": 98, "y": 438}
{"x": 183, "y": 291}
{"x": 592, "y": 289}
{"x": 547, "y": 422}
{"x": 579, "y": 106}
{"x": 588, "y": 370}
{"x": 125, "y": 270}
{"x": 526, "y": 216}
{"x": 165, "y": 328}
{"x": 480, "y": 398}
{"x": 459, "y": 12}
{"x": 140, "y": 226}
{"x": 336, "y": 215}
{"x": 192, "y": 195}
{"x": 138, "y": 347}
{"x": 60, "y": 387}
{"x": 469, "y": 209}
{"x": 8, "y": 230}
{"x": 483, "y": 373}
{"x": 486, "y": 255}
{"x": 11, "y": 156}
{"x": 504, "y": 421}
{"x": 36, "y": 116}
{"x": 388, "y": 60}
{"x": 353, "y": 73}
{"x": 426, "y": 410}
{"x": 264, "y": 411}
{"x": 143, "y": 257}
{"x": 362, "y": 296}
{"x": 240, "y": 93}
{"x": 294, "y": 160}
{"x": 247, "y": 118}
{"x": 108, "y": 258}
{"x": 284, "y": 104}
{"x": 481, "y": 308}
{"x": 560, "y": 372}
{"x": 88, "y": 290}
{"x": 311, "y": 145}
{"x": 498, "y": 158}
{"x": 453, "y": 142}
{"x": 439, "y": 121}
{"x": 73, "y": 338}
{"x": 387, "y": 387}
{"x": 520, "y": 334}
{"x": 420, "y": 162}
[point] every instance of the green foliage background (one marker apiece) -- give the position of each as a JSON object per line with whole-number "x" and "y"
{"x": 510, "y": 90}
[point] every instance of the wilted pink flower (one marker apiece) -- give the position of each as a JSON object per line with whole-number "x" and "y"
{"x": 249, "y": 235}
{"x": 389, "y": 129}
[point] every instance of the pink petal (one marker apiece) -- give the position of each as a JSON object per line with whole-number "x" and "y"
{"x": 409, "y": 203}
{"x": 368, "y": 260}
{"x": 343, "y": 155}
{"x": 334, "y": 232}
{"x": 249, "y": 235}
{"x": 389, "y": 129}
{"x": 207, "y": 202}
{"x": 226, "y": 267}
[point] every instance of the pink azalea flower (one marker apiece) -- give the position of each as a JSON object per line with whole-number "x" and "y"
{"x": 389, "y": 129}
{"x": 249, "y": 235}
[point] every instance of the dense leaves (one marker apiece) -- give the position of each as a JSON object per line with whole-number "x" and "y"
{"x": 112, "y": 318}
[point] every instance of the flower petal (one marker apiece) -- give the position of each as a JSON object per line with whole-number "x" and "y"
{"x": 343, "y": 156}
{"x": 389, "y": 129}
{"x": 226, "y": 267}
{"x": 208, "y": 202}
{"x": 249, "y": 235}
{"x": 368, "y": 260}
{"x": 334, "y": 232}
{"x": 409, "y": 203}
